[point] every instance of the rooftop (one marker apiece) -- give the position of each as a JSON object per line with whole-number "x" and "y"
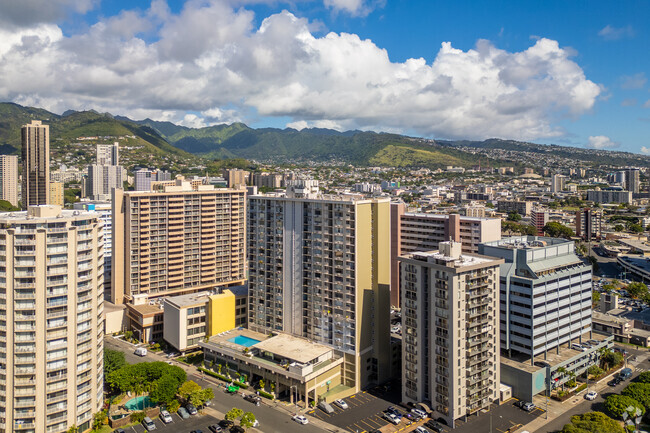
{"x": 189, "y": 300}
{"x": 50, "y": 213}
{"x": 294, "y": 348}
{"x": 527, "y": 242}
{"x": 458, "y": 262}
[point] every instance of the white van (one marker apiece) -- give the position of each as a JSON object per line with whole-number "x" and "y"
{"x": 141, "y": 351}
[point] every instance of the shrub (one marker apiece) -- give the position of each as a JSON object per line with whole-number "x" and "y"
{"x": 266, "y": 394}
{"x": 137, "y": 416}
{"x": 173, "y": 406}
{"x": 580, "y": 388}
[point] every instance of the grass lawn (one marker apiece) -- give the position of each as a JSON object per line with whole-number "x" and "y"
{"x": 192, "y": 359}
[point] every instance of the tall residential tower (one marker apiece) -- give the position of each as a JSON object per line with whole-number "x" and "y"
{"x": 36, "y": 164}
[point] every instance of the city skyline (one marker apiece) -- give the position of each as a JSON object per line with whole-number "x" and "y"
{"x": 508, "y": 72}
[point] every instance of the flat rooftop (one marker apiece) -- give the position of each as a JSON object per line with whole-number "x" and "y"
{"x": 522, "y": 361}
{"x": 636, "y": 244}
{"x": 294, "y": 348}
{"x": 460, "y": 261}
{"x": 639, "y": 262}
{"x": 527, "y": 242}
{"x": 188, "y": 300}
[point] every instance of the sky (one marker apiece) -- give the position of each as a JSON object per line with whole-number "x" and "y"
{"x": 571, "y": 73}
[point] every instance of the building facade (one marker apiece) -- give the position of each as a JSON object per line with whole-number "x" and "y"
{"x": 545, "y": 294}
{"x": 144, "y": 178}
{"x": 319, "y": 268}
{"x": 182, "y": 239}
{"x": 538, "y": 218}
{"x": 9, "y": 179}
{"x": 412, "y": 232}
{"x": 450, "y": 330}
{"x": 523, "y": 208}
{"x": 35, "y": 152}
{"x": 558, "y": 183}
{"x": 236, "y": 178}
{"x": 633, "y": 180}
{"x": 52, "y": 329}
{"x": 589, "y": 224}
{"x": 104, "y": 212}
{"x": 611, "y": 195}
{"x": 57, "y": 196}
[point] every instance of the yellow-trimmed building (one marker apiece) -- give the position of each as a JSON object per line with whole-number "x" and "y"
{"x": 189, "y": 319}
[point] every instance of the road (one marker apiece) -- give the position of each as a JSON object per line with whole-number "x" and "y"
{"x": 273, "y": 418}
{"x": 558, "y": 423}
{"x": 607, "y": 266}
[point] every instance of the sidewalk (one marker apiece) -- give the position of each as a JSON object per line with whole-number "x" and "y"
{"x": 556, "y": 408}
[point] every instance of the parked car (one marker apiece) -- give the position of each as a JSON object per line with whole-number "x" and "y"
{"x": 183, "y": 413}
{"x": 300, "y": 419}
{"x": 393, "y": 410}
{"x": 214, "y": 428}
{"x": 225, "y": 423}
{"x": 141, "y": 351}
{"x": 392, "y": 418}
{"x": 191, "y": 409}
{"x": 325, "y": 407}
{"x": 165, "y": 417}
{"x": 341, "y": 403}
{"x": 625, "y": 373}
{"x": 591, "y": 395}
{"x": 576, "y": 346}
{"x": 253, "y": 399}
{"x": 419, "y": 412}
{"x": 434, "y": 426}
{"x": 614, "y": 382}
{"x": 148, "y": 424}
{"x": 237, "y": 429}
{"x": 421, "y": 430}
{"x": 529, "y": 407}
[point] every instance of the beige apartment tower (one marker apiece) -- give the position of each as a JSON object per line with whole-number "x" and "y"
{"x": 182, "y": 239}
{"x": 36, "y": 164}
{"x": 51, "y": 333}
{"x": 9, "y": 179}
{"x": 450, "y": 329}
{"x": 319, "y": 268}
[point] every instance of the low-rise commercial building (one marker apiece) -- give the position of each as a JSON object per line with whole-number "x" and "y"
{"x": 523, "y": 208}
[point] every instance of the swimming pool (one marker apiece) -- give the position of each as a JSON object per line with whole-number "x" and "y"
{"x": 139, "y": 403}
{"x": 243, "y": 341}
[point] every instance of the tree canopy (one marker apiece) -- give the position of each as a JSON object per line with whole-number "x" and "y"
{"x": 233, "y": 414}
{"x": 113, "y": 360}
{"x": 247, "y": 420}
{"x": 556, "y": 230}
{"x": 616, "y": 404}
{"x": 639, "y": 392}
{"x": 637, "y": 290}
{"x": 592, "y": 422}
{"x": 146, "y": 377}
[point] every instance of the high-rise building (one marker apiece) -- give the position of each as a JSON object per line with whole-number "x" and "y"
{"x": 424, "y": 231}
{"x": 589, "y": 223}
{"x": 57, "y": 194}
{"x": 523, "y": 208}
{"x": 36, "y": 164}
{"x": 236, "y": 178}
{"x": 9, "y": 179}
{"x": 52, "y": 327}
{"x": 632, "y": 180}
{"x": 178, "y": 240}
{"x": 609, "y": 195}
{"x": 545, "y": 294}
{"x": 557, "y": 183}
{"x": 102, "y": 179}
{"x": 108, "y": 154}
{"x": 104, "y": 212}
{"x": 267, "y": 180}
{"x": 319, "y": 268}
{"x": 450, "y": 329}
{"x": 538, "y": 218}
{"x": 144, "y": 178}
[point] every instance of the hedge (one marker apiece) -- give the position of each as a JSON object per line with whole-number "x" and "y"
{"x": 222, "y": 377}
{"x": 266, "y": 394}
{"x": 580, "y": 388}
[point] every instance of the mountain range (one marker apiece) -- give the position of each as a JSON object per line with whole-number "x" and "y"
{"x": 167, "y": 145}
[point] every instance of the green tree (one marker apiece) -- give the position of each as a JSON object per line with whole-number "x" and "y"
{"x": 173, "y": 406}
{"x": 164, "y": 390}
{"x": 514, "y": 216}
{"x": 199, "y": 398}
{"x": 113, "y": 360}
{"x": 608, "y": 287}
{"x": 618, "y": 228}
{"x": 637, "y": 290}
{"x": 5, "y": 206}
{"x": 233, "y": 414}
{"x": 592, "y": 422}
{"x": 644, "y": 377}
{"x": 639, "y": 392}
{"x": 73, "y": 429}
{"x": 609, "y": 359}
{"x": 635, "y": 228}
{"x": 616, "y": 404}
{"x": 188, "y": 388}
{"x": 595, "y": 298}
{"x": 556, "y": 230}
{"x": 261, "y": 384}
{"x": 247, "y": 420}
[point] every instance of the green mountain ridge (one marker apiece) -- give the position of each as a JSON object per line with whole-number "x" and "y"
{"x": 171, "y": 146}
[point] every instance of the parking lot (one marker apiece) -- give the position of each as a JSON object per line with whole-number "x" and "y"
{"x": 365, "y": 411}
{"x": 504, "y": 418}
{"x": 178, "y": 424}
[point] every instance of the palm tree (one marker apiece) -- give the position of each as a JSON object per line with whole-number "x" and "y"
{"x": 561, "y": 371}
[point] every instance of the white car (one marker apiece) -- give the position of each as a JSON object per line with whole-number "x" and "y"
{"x": 421, "y": 430}
{"x": 591, "y": 395}
{"x": 392, "y": 418}
{"x": 300, "y": 419}
{"x": 165, "y": 416}
{"x": 341, "y": 403}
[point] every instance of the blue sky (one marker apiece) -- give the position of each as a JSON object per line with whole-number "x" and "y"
{"x": 571, "y": 73}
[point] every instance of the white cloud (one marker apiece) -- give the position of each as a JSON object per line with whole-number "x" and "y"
{"x": 645, "y": 150}
{"x": 601, "y": 142}
{"x": 612, "y": 33}
{"x": 354, "y": 7}
{"x": 327, "y": 124}
{"x": 20, "y": 13}
{"x": 633, "y": 82}
{"x": 210, "y": 60}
